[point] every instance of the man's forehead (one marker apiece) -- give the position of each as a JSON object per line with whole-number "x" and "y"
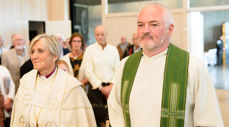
{"x": 18, "y": 37}
{"x": 148, "y": 21}
{"x": 99, "y": 32}
{"x": 150, "y": 17}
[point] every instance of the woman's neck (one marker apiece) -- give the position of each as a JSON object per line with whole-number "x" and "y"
{"x": 76, "y": 52}
{"x": 48, "y": 71}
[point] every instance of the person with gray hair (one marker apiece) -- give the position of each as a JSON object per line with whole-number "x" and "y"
{"x": 135, "y": 47}
{"x": 64, "y": 48}
{"x": 122, "y": 46}
{"x": 162, "y": 85}
{"x": 47, "y": 95}
{"x": 15, "y": 58}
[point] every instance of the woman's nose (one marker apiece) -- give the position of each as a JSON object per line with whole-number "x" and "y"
{"x": 33, "y": 55}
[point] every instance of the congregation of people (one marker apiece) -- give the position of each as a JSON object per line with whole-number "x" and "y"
{"x": 63, "y": 82}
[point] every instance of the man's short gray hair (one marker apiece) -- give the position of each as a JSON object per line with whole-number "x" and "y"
{"x": 168, "y": 17}
{"x": 50, "y": 42}
{"x": 167, "y": 14}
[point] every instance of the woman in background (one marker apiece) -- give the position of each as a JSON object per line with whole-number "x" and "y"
{"x": 61, "y": 64}
{"x": 48, "y": 96}
{"x": 75, "y": 57}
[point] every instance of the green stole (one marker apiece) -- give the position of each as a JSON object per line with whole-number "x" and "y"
{"x": 174, "y": 86}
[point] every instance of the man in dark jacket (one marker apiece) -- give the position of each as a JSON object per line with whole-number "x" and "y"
{"x": 132, "y": 48}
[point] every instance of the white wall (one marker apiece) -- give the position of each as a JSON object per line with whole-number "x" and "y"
{"x": 121, "y": 24}
{"x": 126, "y": 24}
{"x": 15, "y": 15}
{"x": 64, "y": 28}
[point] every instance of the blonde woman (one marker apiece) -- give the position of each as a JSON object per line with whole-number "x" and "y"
{"x": 48, "y": 96}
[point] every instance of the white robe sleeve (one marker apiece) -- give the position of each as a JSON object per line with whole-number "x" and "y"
{"x": 11, "y": 87}
{"x": 76, "y": 110}
{"x": 116, "y": 63}
{"x": 82, "y": 70}
{"x": 6, "y": 78}
{"x": 114, "y": 102}
{"x": 17, "y": 106}
{"x": 206, "y": 110}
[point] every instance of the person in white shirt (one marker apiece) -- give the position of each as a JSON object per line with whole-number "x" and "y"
{"x": 7, "y": 88}
{"x": 49, "y": 96}
{"x": 162, "y": 85}
{"x": 102, "y": 60}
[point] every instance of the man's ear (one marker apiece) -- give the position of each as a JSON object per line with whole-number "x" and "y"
{"x": 170, "y": 30}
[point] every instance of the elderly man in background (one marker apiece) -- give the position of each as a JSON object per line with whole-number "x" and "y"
{"x": 2, "y": 49}
{"x": 65, "y": 49}
{"x": 162, "y": 85}
{"x": 122, "y": 46}
{"x": 15, "y": 57}
{"x": 135, "y": 47}
{"x": 101, "y": 61}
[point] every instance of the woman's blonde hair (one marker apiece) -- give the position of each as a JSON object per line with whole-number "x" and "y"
{"x": 62, "y": 62}
{"x": 50, "y": 42}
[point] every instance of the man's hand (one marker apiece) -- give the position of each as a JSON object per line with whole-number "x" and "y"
{"x": 84, "y": 81}
{"x": 106, "y": 90}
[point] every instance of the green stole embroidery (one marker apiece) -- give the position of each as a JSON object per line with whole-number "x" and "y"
{"x": 174, "y": 86}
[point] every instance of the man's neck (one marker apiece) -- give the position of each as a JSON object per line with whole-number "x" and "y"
{"x": 103, "y": 45}
{"x": 153, "y": 52}
{"x": 20, "y": 52}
